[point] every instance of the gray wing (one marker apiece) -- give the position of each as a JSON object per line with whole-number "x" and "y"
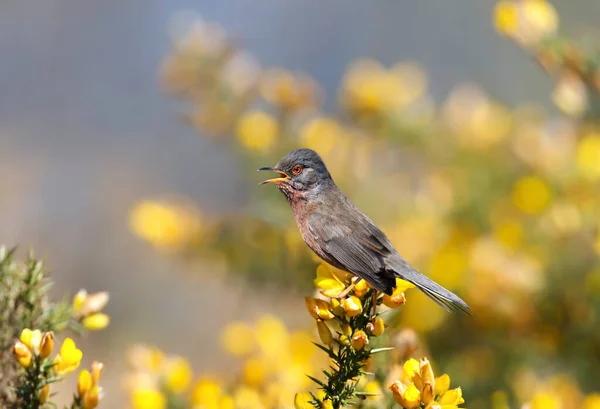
{"x": 360, "y": 248}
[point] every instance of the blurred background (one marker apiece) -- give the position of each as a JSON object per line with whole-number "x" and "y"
{"x": 130, "y": 133}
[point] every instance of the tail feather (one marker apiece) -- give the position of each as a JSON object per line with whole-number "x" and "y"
{"x": 444, "y": 298}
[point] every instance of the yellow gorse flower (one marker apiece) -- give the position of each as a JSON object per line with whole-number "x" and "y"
{"x": 23, "y": 354}
{"x": 68, "y": 359}
{"x": 88, "y": 390}
{"x": 32, "y": 339}
{"x": 397, "y": 298}
{"x": 87, "y": 307}
{"x": 420, "y": 387}
{"x": 330, "y": 280}
{"x": 32, "y": 343}
{"x": 44, "y": 394}
{"x": 319, "y": 309}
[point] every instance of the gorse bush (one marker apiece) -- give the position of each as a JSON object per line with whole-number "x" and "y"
{"x": 30, "y": 321}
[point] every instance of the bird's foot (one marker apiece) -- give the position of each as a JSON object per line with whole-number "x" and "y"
{"x": 344, "y": 293}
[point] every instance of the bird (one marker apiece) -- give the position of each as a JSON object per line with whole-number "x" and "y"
{"x": 341, "y": 235}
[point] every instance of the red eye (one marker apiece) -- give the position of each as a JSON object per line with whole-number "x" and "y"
{"x": 297, "y": 169}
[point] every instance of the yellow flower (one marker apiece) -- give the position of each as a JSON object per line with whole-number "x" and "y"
{"x": 85, "y": 304}
{"x": 397, "y": 298}
{"x": 352, "y": 306}
{"x": 324, "y": 332}
{"x": 84, "y": 382}
{"x": 92, "y": 397}
{"x": 87, "y": 386}
{"x": 588, "y": 156}
{"x": 257, "y": 131}
{"x": 329, "y": 283}
{"x": 452, "y": 398}
{"x": 46, "y": 345}
{"x": 411, "y": 368}
{"x": 254, "y": 372}
{"x": 359, "y": 340}
{"x": 44, "y": 394}
{"x": 32, "y": 339}
{"x": 280, "y": 87}
{"x": 374, "y": 387}
{"x": 442, "y": 384}
{"x": 206, "y": 393}
{"x": 531, "y": 194}
{"x": 178, "y": 375}
{"x": 592, "y": 401}
{"x": 318, "y": 309}
{"x": 322, "y": 135}
{"x": 506, "y": 17}
{"x": 301, "y": 401}
{"x": 96, "y": 322}
{"x": 167, "y": 226}
{"x": 148, "y": 398}
{"x": 360, "y": 289}
{"x": 23, "y": 354}
{"x": 407, "y": 396}
{"x": 378, "y": 327}
{"x": 238, "y": 338}
{"x": 68, "y": 358}
{"x": 336, "y": 307}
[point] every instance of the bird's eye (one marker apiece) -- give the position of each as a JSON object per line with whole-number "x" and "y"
{"x": 297, "y": 169}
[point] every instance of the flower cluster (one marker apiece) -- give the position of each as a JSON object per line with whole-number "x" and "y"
{"x": 274, "y": 364}
{"x": 30, "y": 323}
{"x": 350, "y": 308}
{"x": 87, "y": 309}
{"x": 33, "y": 351}
{"x": 421, "y": 388}
{"x": 533, "y": 24}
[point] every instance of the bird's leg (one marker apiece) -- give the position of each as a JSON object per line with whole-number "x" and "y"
{"x": 348, "y": 289}
{"x": 375, "y": 294}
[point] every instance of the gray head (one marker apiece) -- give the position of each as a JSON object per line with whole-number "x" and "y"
{"x": 301, "y": 170}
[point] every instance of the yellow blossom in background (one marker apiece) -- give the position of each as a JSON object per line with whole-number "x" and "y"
{"x": 167, "y": 226}
{"x": 592, "y": 401}
{"x": 96, "y": 322}
{"x": 178, "y": 375}
{"x": 322, "y": 134}
{"x": 545, "y": 401}
{"x": 206, "y": 393}
{"x": 588, "y": 156}
{"x": 238, "y": 338}
{"x": 288, "y": 91}
{"x": 272, "y": 336}
{"x": 506, "y": 17}
{"x": 526, "y": 21}
{"x": 570, "y": 95}
{"x": 257, "y": 131}
{"x": 68, "y": 358}
{"x": 148, "y": 398}
{"x": 531, "y": 194}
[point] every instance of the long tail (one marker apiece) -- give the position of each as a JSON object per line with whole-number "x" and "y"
{"x": 444, "y": 298}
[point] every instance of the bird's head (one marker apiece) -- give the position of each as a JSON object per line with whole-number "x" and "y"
{"x": 301, "y": 171}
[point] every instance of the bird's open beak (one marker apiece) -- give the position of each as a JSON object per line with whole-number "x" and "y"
{"x": 283, "y": 176}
